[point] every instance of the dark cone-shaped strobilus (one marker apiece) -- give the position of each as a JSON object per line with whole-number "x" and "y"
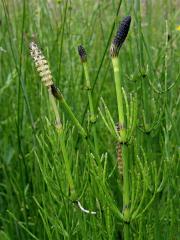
{"x": 120, "y": 37}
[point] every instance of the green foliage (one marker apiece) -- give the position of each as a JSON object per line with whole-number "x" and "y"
{"x": 34, "y": 192}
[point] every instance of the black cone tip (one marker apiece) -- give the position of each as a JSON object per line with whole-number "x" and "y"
{"x": 120, "y": 37}
{"x": 82, "y": 53}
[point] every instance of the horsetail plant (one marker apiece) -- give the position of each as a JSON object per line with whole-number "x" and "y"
{"x": 83, "y": 57}
{"x": 46, "y": 77}
{"x": 114, "y": 51}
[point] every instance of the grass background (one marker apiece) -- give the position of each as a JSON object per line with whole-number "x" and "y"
{"x": 33, "y": 187}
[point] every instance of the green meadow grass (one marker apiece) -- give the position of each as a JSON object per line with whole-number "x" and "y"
{"x": 34, "y": 192}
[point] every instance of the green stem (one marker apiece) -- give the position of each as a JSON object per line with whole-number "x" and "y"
{"x": 54, "y": 107}
{"x": 126, "y": 197}
{"x": 125, "y": 183}
{"x": 91, "y": 106}
{"x": 126, "y": 231}
{"x": 60, "y": 132}
{"x": 115, "y": 62}
{"x": 57, "y": 94}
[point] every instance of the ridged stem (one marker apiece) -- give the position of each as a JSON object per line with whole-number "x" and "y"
{"x": 126, "y": 212}
{"x": 115, "y": 62}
